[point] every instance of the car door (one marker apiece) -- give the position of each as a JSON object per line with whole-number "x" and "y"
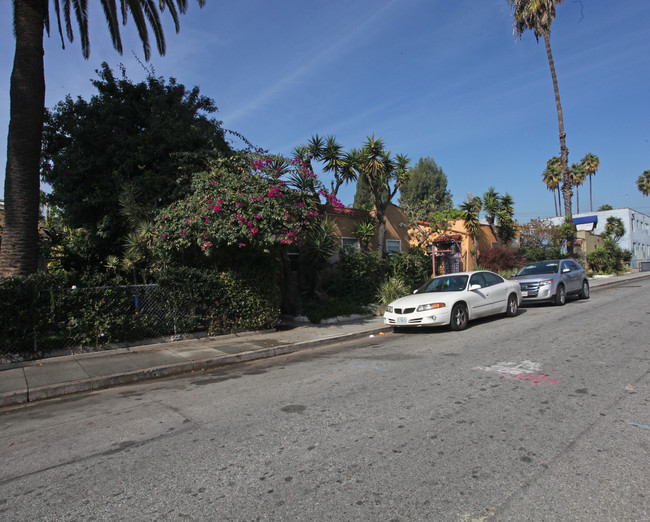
{"x": 498, "y": 292}
{"x": 479, "y": 298}
{"x": 576, "y": 276}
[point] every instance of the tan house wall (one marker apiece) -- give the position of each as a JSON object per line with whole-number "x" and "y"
{"x": 396, "y": 225}
{"x": 588, "y": 241}
{"x": 457, "y": 227}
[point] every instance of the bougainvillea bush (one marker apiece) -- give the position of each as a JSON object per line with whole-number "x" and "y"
{"x": 248, "y": 202}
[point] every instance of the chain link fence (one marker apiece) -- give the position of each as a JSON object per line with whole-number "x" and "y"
{"x": 96, "y": 316}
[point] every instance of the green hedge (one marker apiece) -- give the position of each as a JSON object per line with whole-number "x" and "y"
{"x": 44, "y": 313}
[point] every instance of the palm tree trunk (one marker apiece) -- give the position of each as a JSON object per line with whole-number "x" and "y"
{"x": 591, "y": 205}
{"x": 567, "y": 192}
{"x": 555, "y": 202}
{"x": 19, "y": 253}
{"x": 559, "y": 197}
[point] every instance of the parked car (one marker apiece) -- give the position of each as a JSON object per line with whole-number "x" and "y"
{"x": 455, "y": 299}
{"x": 552, "y": 281}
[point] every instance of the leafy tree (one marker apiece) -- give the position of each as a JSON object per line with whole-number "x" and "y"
{"x": 538, "y": 15}
{"x": 19, "y": 254}
{"x": 432, "y": 223}
{"x": 238, "y": 204}
{"x": 539, "y": 240}
{"x": 590, "y": 162}
{"x": 113, "y": 162}
{"x": 643, "y": 183}
{"x": 375, "y": 165}
{"x": 606, "y": 207}
{"x": 491, "y": 206}
{"x": 425, "y": 199}
{"x": 426, "y": 187}
{"x": 614, "y": 228}
{"x": 577, "y": 175}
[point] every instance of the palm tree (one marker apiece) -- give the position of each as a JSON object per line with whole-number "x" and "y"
{"x": 379, "y": 169}
{"x": 591, "y": 162}
{"x": 491, "y": 203}
{"x": 552, "y": 176}
{"x": 538, "y": 15}
{"x": 338, "y": 163}
{"x": 471, "y": 209}
{"x": 577, "y": 175}
{"x": 506, "y": 222}
{"x": 19, "y": 253}
{"x": 643, "y": 183}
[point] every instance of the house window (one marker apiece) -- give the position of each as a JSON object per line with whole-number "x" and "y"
{"x": 350, "y": 243}
{"x": 393, "y": 245}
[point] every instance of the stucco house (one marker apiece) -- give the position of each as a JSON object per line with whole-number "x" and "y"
{"x": 451, "y": 249}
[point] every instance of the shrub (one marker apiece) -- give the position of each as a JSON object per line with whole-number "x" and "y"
{"x": 392, "y": 288}
{"x": 498, "y": 258}
{"x": 412, "y": 267}
{"x": 608, "y": 258}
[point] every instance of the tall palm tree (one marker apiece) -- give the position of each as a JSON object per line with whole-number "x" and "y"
{"x": 643, "y": 183}
{"x": 506, "y": 222}
{"x": 538, "y": 15}
{"x": 19, "y": 253}
{"x": 591, "y": 162}
{"x": 578, "y": 175}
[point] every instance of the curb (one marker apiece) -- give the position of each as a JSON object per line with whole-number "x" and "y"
{"x": 52, "y": 391}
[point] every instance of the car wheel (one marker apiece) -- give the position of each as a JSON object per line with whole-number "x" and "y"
{"x": 459, "y": 317}
{"x": 584, "y": 293}
{"x": 511, "y": 309}
{"x": 560, "y": 296}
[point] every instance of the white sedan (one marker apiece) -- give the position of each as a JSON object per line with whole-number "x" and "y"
{"x": 455, "y": 299}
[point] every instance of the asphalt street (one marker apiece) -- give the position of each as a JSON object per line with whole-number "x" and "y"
{"x": 544, "y": 416}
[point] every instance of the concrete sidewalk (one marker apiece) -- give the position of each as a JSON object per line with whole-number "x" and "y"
{"x": 31, "y": 381}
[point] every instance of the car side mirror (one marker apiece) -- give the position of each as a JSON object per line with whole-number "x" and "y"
{"x": 415, "y": 291}
{"x": 566, "y": 270}
{"x": 474, "y": 287}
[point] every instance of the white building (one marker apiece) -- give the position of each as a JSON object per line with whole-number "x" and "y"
{"x": 637, "y": 230}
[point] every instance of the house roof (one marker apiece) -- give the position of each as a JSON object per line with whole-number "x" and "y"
{"x": 447, "y": 238}
{"x": 352, "y": 212}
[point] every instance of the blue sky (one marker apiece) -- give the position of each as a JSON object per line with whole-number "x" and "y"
{"x": 444, "y": 79}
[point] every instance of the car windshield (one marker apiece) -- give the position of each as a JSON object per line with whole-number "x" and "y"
{"x": 539, "y": 268}
{"x": 451, "y": 283}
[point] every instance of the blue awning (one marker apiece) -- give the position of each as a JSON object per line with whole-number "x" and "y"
{"x": 585, "y": 220}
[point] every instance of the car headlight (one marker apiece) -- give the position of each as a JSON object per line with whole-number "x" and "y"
{"x": 389, "y": 309}
{"x": 430, "y": 306}
{"x": 546, "y": 282}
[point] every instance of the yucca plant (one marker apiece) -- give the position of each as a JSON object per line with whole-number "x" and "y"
{"x": 391, "y": 289}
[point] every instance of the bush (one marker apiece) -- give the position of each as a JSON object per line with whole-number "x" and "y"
{"x": 412, "y": 267}
{"x": 44, "y": 313}
{"x": 393, "y": 288}
{"x": 499, "y": 258}
{"x": 357, "y": 277}
{"x": 608, "y": 258}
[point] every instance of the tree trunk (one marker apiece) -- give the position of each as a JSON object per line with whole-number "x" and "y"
{"x": 19, "y": 253}
{"x": 555, "y": 202}
{"x": 591, "y": 204}
{"x": 567, "y": 191}
{"x": 381, "y": 230}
